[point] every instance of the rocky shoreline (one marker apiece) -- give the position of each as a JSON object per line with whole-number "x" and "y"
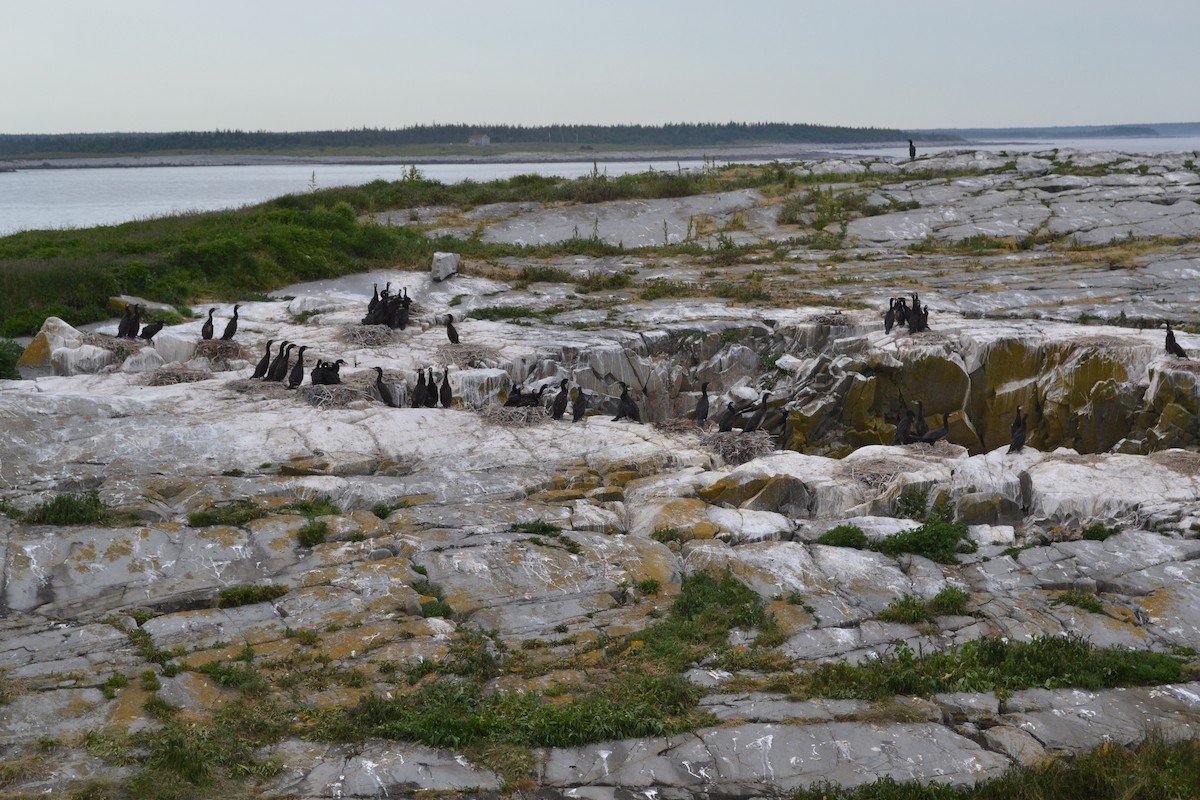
{"x": 564, "y": 545}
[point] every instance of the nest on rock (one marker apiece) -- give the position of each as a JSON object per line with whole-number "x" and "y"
{"x": 514, "y": 416}
{"x": 123, "y": 348}
{"x": 1185, "y": 462}
{"x": 682, "y": 425}
{"x": 251, "y": 386}
{"x": 337, "y": 395}
{"x": 220, "y": 351}
{"x": 465, "y": 356}
{"x": 836, "y": 320}
{"x": 736, "y": 447}
{"x": 169, "y": 376}
{"x": 876, "y": 473}
{"x": 367, "y": 335}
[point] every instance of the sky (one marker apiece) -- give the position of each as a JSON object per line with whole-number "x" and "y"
{"x": 287, "y": 65}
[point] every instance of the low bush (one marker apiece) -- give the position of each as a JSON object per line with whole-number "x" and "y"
{"x": 235, "y": 513}
{"x": 70, "y": 509}
{"x": 234, "y": 596}
{"x": 844, "y": 536}
{"x": 312, "y": 533}
{"x": 937, "y": 541}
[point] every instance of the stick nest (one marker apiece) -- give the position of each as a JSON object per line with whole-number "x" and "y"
{"x": 270, "y": 389}
{"x": 220, "y": 351}
{"x": 736, "y": 447}
{"x": 681, "y": 425}
{"x": 875, "y": 473}
{"x": 168, "y": 376}
{"x": 337, "y": 395}
{"x": 124, "y": 348}
{"x": 835, "y": 320}
{"x": 514, "y": 417}
{"x": 467, "y": 356}
{"x": 367, "y": 335}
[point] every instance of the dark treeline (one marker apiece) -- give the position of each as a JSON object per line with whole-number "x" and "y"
{"x": 674, "y": 135}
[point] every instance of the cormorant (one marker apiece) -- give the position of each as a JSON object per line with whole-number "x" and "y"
{"x": 451, "y": 332}
{"x": 904, "y": 428}
{"x": 579, "y": 407}
{"x": 296, "y": 376}
{"x": 264, "y": 362}
{"x": 374, "y": 298}
{"x": 326, "y": 373}
{"x": 123, "y": 325}
{"x": 726, "y": 424}
{"x": 702, "y": 404}
{"x": 135, "y": 322}
{"x": 275, "y": 362}
{"x": 912, "y": 149}
{"x": 901, "y": 311}
{"x": 560, "y": 401}
{"x": 418, "y": 398}
{"x": 889, "y": 319}
{"x": 921, "y": 427}
{"x": 759, "y": 415}
{"x": 206, "y": 330}
{"x": 515, "y": 397}
{"x": 431, "y": 392}
{"x": 445, "y": 394}
{"x": 150, "y": 330}
{"x": 933, "y": 434}
{"x": 1016, "y": 436}
{"x": 626, "y": 408}
{"x": 231, "y": 326}
{"x": 534, "y": 399}
{"x": 385, "y": 391}
{"x": 1173, "y": 347}
{"x": 279, "y": 369}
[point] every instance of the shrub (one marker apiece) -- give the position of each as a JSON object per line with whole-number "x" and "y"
{"x": 537, "y": 528}
{"x": 1098, "y": 532}
{"x": 1084, "y": 600}
{"x": 10, "y": 353}
{"x": 238, "y": 512}
{"x": 70, "y": 509}
{"x": 911, "y": 504}
{"x": 949, "y": 602}
{"x": 844, "y": 536}
{"x": 908, "y": 610}
{"x": 234, "y": 596}
{"x": 320, "y": 507}
{"x": 937, "y": 541}
{"x": 312, "y": 533}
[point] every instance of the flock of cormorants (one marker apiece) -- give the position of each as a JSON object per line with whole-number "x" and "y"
{"x": 131, "y": 327}
{"x": 916, "y": 318}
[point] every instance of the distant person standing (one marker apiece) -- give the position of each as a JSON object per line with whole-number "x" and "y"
{"x": 912, "y": 150}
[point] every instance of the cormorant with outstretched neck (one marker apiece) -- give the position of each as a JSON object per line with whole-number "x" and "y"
{"x": 279, "y": 369}
{"x": 418, "y": 398}
{"x": 264, "y": 362}
{"x": 451, "y": 331}
{"x": 756, "y": 419}
{"x": 1016, "y": 432}
{"x": 445, "y": 393}
{"x": 889, "y": 319}
{"x": 296, "y": 376}
{"x": 1173, "y": 347}
{"x": 702, "y": 404}
{"x": 579, "y": 406}
{"x": 920, "y": 426}
{"x": 374, "y": 303}
{"x": 904, "y": 428}
{"x": 231, "y": 326}
{"x": 385, "y": 391}
{"x": 206, "y": 330}
{"x": 275, "y": 361}
{"x": 148, "y": 333}
{"x": 626, "y": 408}
{"x": 912, "y": 149}
{"x": 559, "y": 407}
{"x": 431, "y": 391}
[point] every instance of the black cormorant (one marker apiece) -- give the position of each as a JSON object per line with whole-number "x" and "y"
{"x": 148, "y": 333}
{"x": 231, "y": 326}
{"x": 206, "y": 330}
{"x": 726, "y": 423}
{"x": 515, "y": 398}
{"x": 702, "y": 404}
{"x": 912, "y": 149}
{"x": 560, "y": 401}
{"x": 431, "y": 392}
{"x": 451, "y": 331}
{"x": 135, "y": 322}
{"x": 279, "y": 367}
{"x": 123, "y": 325}
{"x": 759, "y": 415}
{"x": 1016, "y": 437}
{"x": 933, "y": 434}
{"x": 296, "y": 376}
{"x": 1173, "y": 347}
{"x": 920, "y": 426}
{"x": 418, "y": 398}
{"x": 579, "y": 406}
{"x": 275, "y": 361}
{"x": 626, "y": 408}
{"x": 445, "y": 394}
{"x": 904, "y": 428}
{"x": 889, "y": 319}
{"x": 385, "y": 391}
{"x": 264, "y": 362}
{"x": 374, "y": 298}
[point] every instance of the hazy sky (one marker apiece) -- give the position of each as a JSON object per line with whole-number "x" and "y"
{"x": 157, "y": 65}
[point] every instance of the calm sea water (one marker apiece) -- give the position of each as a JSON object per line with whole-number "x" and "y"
{"x": 79, "y": 198}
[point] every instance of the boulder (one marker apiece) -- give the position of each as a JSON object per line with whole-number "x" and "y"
{"x": 444, "y": 265}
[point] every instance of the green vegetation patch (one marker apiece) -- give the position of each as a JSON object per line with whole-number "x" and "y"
{"x": 912, "y": 610}
{"x": 10, "y": 353}
{"x": 235, "y": 513}
{"x": 1153, "y": 770}
{"x": 502, "y": 313}
{"x": 937, "y": 541}
{"x": 1098, "y": 532}
{"x": 844, "y": 536}
{"x": 312, "y": 533}
{"x": 71, "y": 509}
{"x": 1085, "y": 600}
{"x": 234, "y": 596}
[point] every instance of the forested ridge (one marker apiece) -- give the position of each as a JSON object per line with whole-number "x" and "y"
{"x": 673, "y": 135}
